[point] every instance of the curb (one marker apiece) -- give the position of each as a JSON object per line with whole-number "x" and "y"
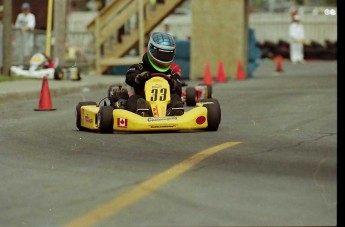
{"x": 33, "y": 91}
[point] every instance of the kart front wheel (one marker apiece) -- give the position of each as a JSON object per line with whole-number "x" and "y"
{"x": 190, "y": 96}
{"x": 216, "y": 102}
{"x": 105, "y": 119}
{"x": 213, "y": 114}
{"x": 78, "y": 113}
{"x": 58, "y": 74}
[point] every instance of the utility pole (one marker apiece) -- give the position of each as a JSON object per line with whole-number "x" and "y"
{"x": 7, "y": 37}
{"x": 60, "y": 18}
{"x": 49, "y": 27}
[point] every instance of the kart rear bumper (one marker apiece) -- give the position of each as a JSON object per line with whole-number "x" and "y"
{"x": 39, "y": 74}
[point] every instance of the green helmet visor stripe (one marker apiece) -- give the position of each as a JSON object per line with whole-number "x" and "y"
{"x": 159, "y": 69}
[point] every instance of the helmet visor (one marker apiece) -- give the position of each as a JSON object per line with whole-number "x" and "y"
{"x": 161, "y": 55}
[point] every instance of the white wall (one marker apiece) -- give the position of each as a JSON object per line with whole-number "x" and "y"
{"x": 270, "y": 27}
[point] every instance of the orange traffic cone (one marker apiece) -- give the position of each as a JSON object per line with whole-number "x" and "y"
{"x": 279, "y": 68}
{"x": 45, "y": 101}
{"x": 207, "y": 75}
{"x": 221, "y": 74}
{"x": 240, "y": 73}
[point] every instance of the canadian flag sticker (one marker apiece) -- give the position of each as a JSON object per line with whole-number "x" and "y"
{"x": 122, "y": 122}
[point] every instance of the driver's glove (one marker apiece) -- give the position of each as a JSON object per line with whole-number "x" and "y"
{"x": 142, "y": 77}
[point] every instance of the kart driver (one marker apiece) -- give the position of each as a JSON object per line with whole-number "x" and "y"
{"x": 158, "y": 58}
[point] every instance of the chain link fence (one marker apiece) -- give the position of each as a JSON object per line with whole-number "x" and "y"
{"x": 79, "y": 47}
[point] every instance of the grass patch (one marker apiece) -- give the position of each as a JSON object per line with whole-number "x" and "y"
{"x": 4, "y": 78}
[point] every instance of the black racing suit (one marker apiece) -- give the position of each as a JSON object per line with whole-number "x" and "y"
{"x": 136, "y": 69}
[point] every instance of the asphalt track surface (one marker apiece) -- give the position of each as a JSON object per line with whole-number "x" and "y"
{"x": 273, "y": 162}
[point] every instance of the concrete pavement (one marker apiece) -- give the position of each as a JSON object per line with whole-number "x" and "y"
{"x": 28, "y": 89}
{"x": 312, "y": 68}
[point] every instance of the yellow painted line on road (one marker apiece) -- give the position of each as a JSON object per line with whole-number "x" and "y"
{"x": 117, "y": 204}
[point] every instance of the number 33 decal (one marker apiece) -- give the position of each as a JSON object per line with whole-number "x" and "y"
{"x": 161, "y": 93}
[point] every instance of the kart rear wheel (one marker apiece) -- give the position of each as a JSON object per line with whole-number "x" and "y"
{"x": 78, "y": 113}
{"x": 190, "y": 96}
{"x": 209, "y": 90}
{"x": 58, "y": 74}
{"x": 213, "y": 114}
{"x": 105, "y": 119}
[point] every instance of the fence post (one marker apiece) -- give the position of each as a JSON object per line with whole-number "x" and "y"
{"x": 60, "y": 30}
{"x": 141, "y": 28}
{"x": 49, "y": 27}
{"x": 7, "y": 37}
{"x": 97, "y": 46}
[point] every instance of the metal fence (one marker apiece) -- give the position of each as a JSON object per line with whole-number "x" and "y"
{"x": 22, "y": 47}
{"x": 79, "y": 45}
{"x": 83, "y": 43}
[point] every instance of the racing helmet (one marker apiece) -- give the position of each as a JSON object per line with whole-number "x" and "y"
{"x": 161, "y": 51}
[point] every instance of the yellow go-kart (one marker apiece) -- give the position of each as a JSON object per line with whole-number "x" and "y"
{"x": 108, "y": 118}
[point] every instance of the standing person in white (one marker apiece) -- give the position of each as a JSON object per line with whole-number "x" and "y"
{"x": 297, "y": 37}
{"x": 26, "y": 21}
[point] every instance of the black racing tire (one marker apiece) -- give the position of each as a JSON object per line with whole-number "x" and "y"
{"x": 78, "y": 113}
{"x": 216, "y": 102}
{"x": 58, "y": 73}
{"x": 209, "y": 90}
{"x": 210, "y": 100}
{"x": 105, "y": 119}
{"x": 214, "y": 114}
{"x": 190, "y": 96}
